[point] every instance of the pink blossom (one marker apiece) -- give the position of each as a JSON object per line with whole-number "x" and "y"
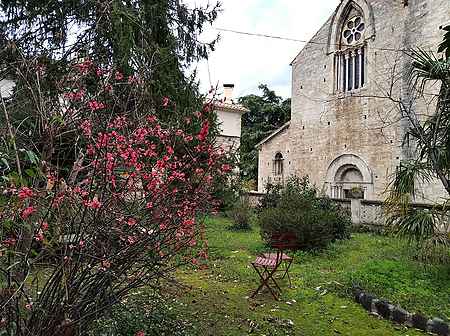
{"x": 39, "y": 236}
{"x": 94, "y": 204}
{"x": 204, "y": 131}
{"x": 118, "y": 76}
{"x": 29, "y": 306}
{"x": 106, "y": 264}
{"x": 165, "y": 102}
{"x": 95, "y": 105}
{"x": 131, "y": 221}
{"x": 170, "y": 150}
{"x": 25, "y": 193}
{"x": 140, "y": 333}
{"x": 81, "y": 243}
{"x": 131, "y": 240}
{"x": 226, "y": 168}
{"x": 27, "y": 212}
{"x": 10, "y": 242}
{"x": 84, "y": 66}
{"x": 44, "y": 226}
{"x": 86, "y": 127}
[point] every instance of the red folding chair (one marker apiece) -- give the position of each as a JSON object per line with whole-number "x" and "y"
{"x": 269, "y": 264}
{"x": 266, "y": 268}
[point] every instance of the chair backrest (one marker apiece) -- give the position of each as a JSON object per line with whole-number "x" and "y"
{"x": 284, "y": 241}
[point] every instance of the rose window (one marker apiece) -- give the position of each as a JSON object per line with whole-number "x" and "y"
{"x": 353, "y": 30}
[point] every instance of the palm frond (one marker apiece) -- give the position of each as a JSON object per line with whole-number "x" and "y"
{"x": 425, "y": 67}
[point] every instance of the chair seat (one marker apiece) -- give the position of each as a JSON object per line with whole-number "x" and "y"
{"x": 274, "y": 256}
{"x": 261, "y": 261}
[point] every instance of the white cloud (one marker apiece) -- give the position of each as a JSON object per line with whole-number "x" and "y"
{"x": 248, "y": 61}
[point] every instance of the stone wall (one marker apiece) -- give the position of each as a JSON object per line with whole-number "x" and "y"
{"x": 368, "y": 213}
{"x": 364, "y": 123}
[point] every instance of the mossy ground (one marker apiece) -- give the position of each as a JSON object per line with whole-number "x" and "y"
{"x": 216, "y": 300}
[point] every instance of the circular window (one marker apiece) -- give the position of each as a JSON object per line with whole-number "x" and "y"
{"x": 353, "y": 30}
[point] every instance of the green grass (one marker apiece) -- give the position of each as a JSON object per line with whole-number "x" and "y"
{"x": 216, "y": 300}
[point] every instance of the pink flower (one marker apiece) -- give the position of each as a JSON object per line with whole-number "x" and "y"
{"x": 39, "y": 236}
{"x": 27, "y": 212}
{"x": 86, "y": 127}
{"x": 170, "y": 150}
{"x": 25, "y": 193}
{"x": 131, "y": 221}
{"x": 44, "y": 226}
{"x": 204, "y": 131}
{"x": 95, "y": 105}
{"x": 140, "y": 333}
{"x": 106, "y": 264}
{"x": 165, "y": 101}
{"x": 29, "y": 306}
{"x": 81, "y": 243}
{"x": 226, "y": 168}
{"x": 151, "y": 119}
{"x": 94, "y": 204}
{"x": 118, "y": 75}
{"x": 9, "y": 242}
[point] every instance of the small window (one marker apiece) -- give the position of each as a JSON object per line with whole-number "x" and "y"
{"x": 278, "y": 164}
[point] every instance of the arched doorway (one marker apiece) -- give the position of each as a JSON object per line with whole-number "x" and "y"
{"x": 347, "y": 172}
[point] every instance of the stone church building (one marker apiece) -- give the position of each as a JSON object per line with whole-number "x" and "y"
{"x": 345, "y": 129}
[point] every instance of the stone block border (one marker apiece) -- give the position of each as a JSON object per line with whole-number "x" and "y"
{"x": 388, "y": 311}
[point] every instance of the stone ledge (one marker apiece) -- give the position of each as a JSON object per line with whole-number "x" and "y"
{"x": 386, "y": 310}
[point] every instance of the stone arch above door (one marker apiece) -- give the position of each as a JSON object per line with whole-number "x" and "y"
{"x": 348, "y": 171}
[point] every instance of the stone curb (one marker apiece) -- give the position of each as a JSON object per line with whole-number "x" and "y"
{"x": 388, "y": 311}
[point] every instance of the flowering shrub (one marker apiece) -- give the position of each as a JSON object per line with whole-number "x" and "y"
{"x": 106, "y": 214}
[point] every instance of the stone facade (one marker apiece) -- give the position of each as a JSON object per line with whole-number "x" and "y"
{"x": 345, "y": 131}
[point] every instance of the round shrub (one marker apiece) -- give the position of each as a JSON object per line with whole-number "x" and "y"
{"x": 241, "y": 215}
{"x": 297, "y": 211}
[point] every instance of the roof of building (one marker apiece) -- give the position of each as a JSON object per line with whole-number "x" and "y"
{"x": 285, "y": 126}
{"x": 231, "y": 107}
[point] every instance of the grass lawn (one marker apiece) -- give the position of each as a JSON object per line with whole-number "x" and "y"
{"x": 215, "y": 301}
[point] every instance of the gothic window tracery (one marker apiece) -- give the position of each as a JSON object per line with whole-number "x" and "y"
{"x": 350, "y": 58}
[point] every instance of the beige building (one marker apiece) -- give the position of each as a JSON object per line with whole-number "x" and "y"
{"x": 229, "y": 119}
{"x": 345, "y": 130}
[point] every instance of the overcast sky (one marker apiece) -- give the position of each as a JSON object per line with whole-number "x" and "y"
{"x": 248, "y": 61}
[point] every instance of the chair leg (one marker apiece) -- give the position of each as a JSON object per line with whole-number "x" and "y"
{"x": 287, "y": 272}
{"x": 265, "y": 281}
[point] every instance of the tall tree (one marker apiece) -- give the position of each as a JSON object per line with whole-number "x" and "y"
{"x": 159, "y": 39}
{"x": 267, "y": 113}
{"x": 153, "y": 40}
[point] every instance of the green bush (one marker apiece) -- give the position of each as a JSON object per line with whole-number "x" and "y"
{"x": 314, "y": 221}
{"x": 271, "y": 198}
{"x": 241, "y": 215}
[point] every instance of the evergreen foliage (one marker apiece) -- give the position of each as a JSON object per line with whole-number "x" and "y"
{"x": 268, "y": 112}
